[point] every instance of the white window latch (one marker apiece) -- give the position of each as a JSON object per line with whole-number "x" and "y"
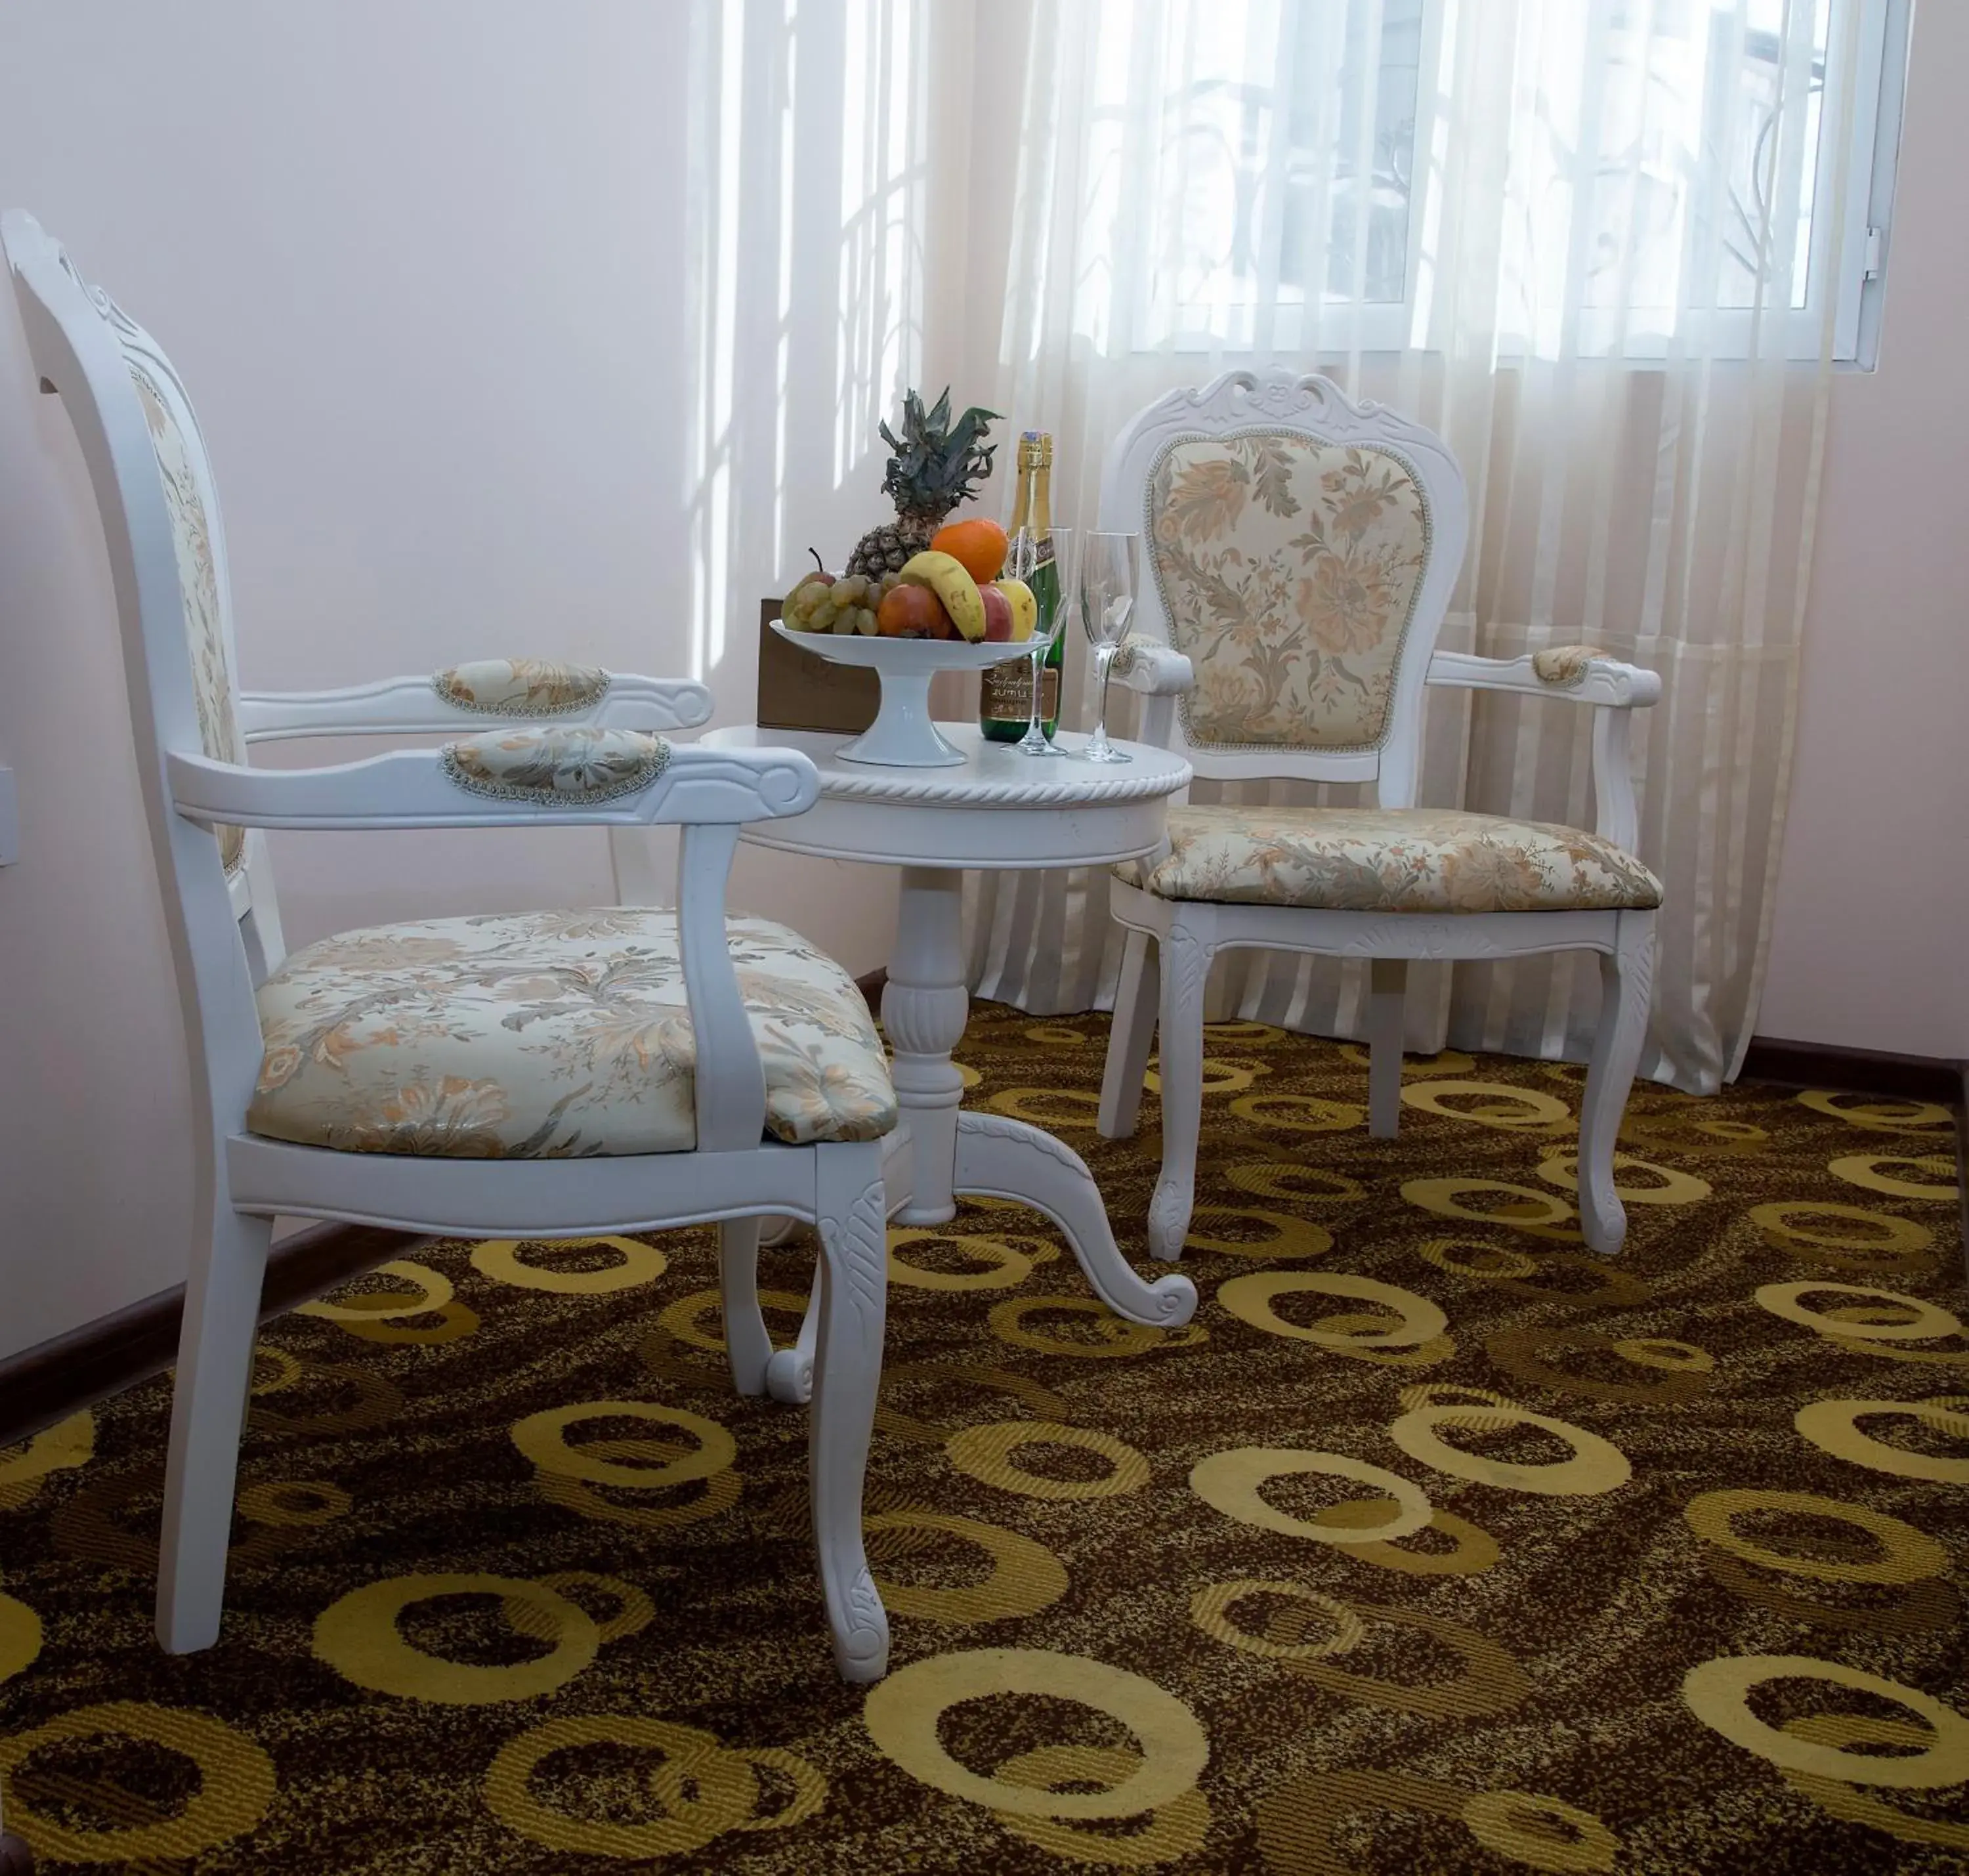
{"x": 1876, "y": 243}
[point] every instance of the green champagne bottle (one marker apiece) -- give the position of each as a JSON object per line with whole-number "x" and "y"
{"x": 1005, "y": 696}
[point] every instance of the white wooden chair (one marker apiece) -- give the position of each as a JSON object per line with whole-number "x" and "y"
{"x": 1300, "y": 552}
{"x": 542, "y": 1076}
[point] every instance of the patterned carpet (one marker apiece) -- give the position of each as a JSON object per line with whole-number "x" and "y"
{"x": 1434, "y": 1544}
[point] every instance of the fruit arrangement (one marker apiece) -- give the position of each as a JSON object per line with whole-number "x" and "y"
{"x": 935, "y": 594}
{"x": 923, "y": 577}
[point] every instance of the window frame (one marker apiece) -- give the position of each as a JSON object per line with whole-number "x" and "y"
{"x": 1858, "y": 270}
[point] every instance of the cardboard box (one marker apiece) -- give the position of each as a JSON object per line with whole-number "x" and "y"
{"x": 798, "y": 690}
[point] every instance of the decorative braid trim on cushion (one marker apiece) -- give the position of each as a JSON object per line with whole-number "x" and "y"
{"x": 526, "y": 687}
{"x": 1565, "y": 666}
{"x": 570, "y": 766}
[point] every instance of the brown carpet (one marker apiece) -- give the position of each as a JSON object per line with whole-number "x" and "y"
{"x": 1434, "y": 1544}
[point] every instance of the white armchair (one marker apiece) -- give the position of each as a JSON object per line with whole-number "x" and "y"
{"x": 1303, "y": 550}
{"x": 418, "y": 1075}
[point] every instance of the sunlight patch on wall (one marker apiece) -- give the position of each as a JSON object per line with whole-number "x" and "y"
{"x": 807, "y": 172}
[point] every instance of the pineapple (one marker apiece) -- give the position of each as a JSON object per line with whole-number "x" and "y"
{"x": 935, "y": 461}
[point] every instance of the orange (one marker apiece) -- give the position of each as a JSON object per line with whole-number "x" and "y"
{"x": 978, "y": 545}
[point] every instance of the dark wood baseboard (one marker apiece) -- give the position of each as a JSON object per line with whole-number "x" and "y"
{"x": 49, "y": 1382}
{"x": 1854, "y": 1071}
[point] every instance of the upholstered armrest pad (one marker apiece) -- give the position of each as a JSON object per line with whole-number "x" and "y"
{"x": 1152, "y": 669}
{"x": 561, "y": 775}
{"x": 526, "y": 688}
{"x": 1580, "y": 673}
{"x": 556, "y": 765}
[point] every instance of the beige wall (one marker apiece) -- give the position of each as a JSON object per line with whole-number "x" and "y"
{"x": 427, "y": 269}
{"x": 1870, "y": 946}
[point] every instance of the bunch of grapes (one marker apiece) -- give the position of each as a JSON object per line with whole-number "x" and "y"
{"x": 848, "y": 605}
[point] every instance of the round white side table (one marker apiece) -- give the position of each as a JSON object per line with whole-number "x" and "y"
{"x": 1001, "y": 811}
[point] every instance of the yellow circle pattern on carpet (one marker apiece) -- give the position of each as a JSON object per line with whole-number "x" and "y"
{"x": 902, "y": 1712}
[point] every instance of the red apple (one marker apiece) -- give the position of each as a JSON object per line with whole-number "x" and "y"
{"x": 997, "y": 614}
{"x": 912, "y": 613}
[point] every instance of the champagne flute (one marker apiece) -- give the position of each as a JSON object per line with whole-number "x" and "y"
{"x": 1108, "y": 563}
{"x": 1043, "y": 574}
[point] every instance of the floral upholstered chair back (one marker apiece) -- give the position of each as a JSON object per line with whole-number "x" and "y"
{"x": 144, "y": 448}
{"x": 1299, "y": 550}
{"x": 191, "y": 502}
{"x": 153, "y": 483}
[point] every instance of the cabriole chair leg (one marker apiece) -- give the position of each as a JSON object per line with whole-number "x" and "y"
{"x": 1128, "y": 1039}
{"x": 1627, "y": 983}
{"x": 1185, "y": 975}
{"x": 848, "y": 1367}
{"x": 748, "y": 1347}
{"x": 1387, "y": 986}
{"x": 208, "y": 1414}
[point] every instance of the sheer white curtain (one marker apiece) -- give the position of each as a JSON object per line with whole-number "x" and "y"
{"x": 1604, "y": 247}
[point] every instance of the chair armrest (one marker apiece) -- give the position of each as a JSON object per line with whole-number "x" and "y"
{"x": 465, "y": 696}
{"x": 559, "y": 776}
{"x": 1160, "y": 675}
{"x": 1153, "y": 669}
{"x": 1575, "y": 674}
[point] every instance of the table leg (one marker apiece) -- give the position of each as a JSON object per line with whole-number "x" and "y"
{"x": 1000, "y": 1158}
{"x": 924, "y": 1005}
{"x": 923, "y": 1010}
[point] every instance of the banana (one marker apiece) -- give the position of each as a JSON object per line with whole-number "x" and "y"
{"x": 953, "y": 586}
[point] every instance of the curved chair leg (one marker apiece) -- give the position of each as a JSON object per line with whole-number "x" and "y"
{"x": 747, "y": 1346}
{"x": 208, "y": 1409}
{"x": 16, "y": 1859}
{"x": 852, "y": 1224}
{"x": 790, "y": 1373}
{"x": 1185, "y": 975}
{"x": 1626, "y": 986}
{"x": 1128, "y": 1039}
{"x": 1388, "y": 985}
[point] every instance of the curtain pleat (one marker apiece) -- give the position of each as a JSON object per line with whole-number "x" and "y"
{"x": 1194, "y": 190}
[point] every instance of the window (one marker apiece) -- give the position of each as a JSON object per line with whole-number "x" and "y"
{"x": 1629, "y": 177}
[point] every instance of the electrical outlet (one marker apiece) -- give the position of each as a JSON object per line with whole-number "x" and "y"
{"x": 10, "y": 818}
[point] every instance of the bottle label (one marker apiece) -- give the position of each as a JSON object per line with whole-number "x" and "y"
{"x": 1008, "y": 693}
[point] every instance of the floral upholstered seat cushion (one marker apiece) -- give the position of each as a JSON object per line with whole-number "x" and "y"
{"x": 1390, "y": 860}
{"x": 548, "y": 1035}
